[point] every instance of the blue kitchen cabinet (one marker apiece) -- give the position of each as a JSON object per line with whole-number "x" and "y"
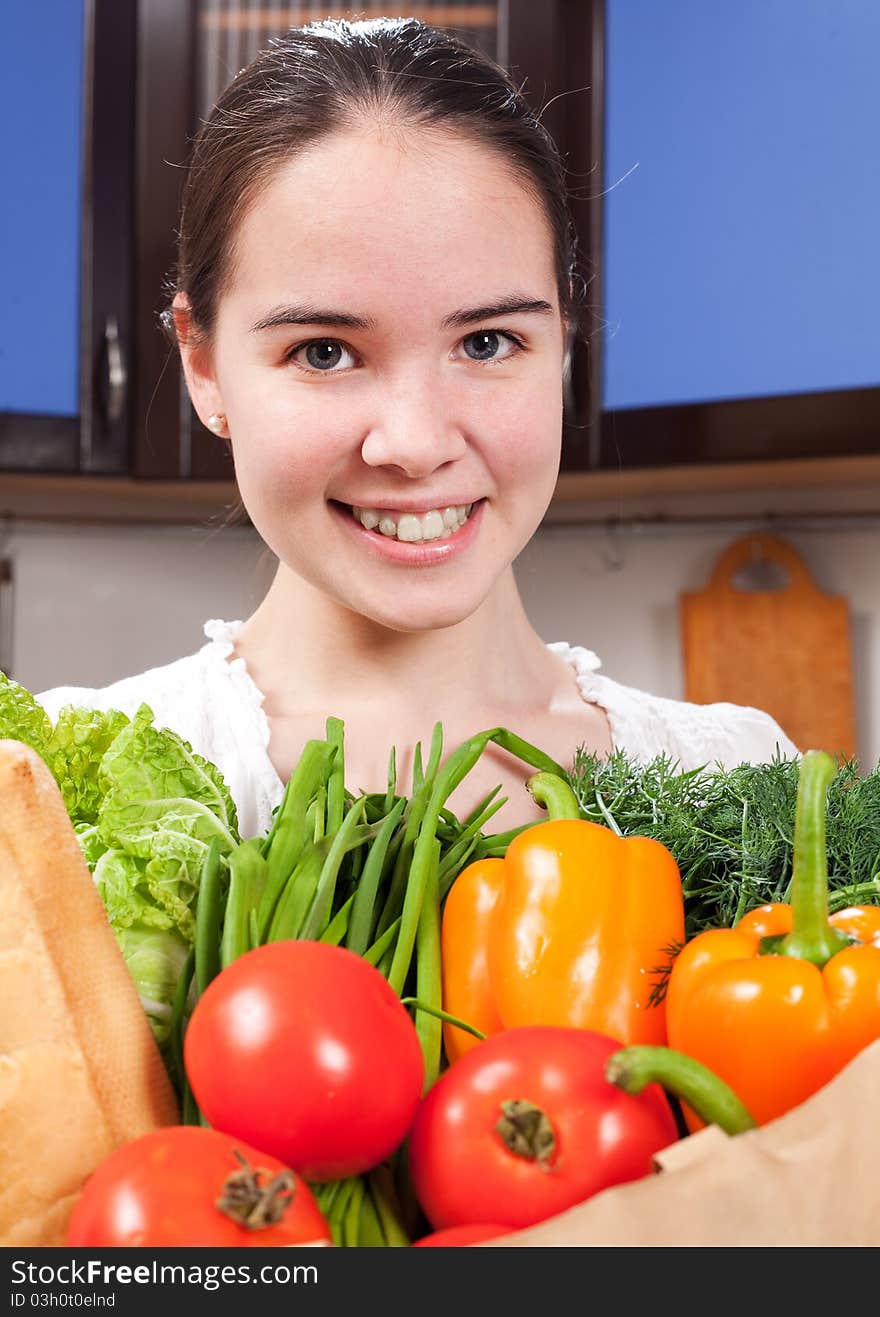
{"x": 741, "y": 207}
{"x": 66, "y": 133}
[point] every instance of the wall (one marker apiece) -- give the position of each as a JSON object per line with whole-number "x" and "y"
{"x": 618, "y": 594}
{"x": 79, "y": 620}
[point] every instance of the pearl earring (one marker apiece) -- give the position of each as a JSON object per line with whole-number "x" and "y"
{"x": 216, "y": 422}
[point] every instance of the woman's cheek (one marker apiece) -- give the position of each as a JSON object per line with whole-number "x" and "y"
{"x": 529, "y": 434}
{"x": 292, "y": 452}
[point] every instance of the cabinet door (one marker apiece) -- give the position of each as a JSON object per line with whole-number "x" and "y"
{"x": 188, "y": 53}
{"x": 66, "y": 153}
{"x": 741, "y": 194}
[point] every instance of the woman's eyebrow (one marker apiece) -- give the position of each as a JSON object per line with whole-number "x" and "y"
{"x": 296, "y": 313}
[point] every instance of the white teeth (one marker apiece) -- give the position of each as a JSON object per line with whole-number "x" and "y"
{"x": 437, "y": 524}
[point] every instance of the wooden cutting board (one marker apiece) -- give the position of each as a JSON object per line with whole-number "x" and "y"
{"x": 786, "y": 650}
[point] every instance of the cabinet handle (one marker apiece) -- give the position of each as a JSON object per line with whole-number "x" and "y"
{"x": 117, "y": 376}
{"x": 569, "y": 397}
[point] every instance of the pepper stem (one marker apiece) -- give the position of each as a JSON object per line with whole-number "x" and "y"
{"x": 554, "y": 794}
{"x": 811, "y": 938}
{"x": 714, "y": 1101}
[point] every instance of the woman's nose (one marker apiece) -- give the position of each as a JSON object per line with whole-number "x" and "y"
{"x": 414, "y": 430}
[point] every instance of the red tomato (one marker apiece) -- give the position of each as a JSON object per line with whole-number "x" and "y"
{"x": 161, "y": 1190}
{"x": 594, "y": 1135}
{"x": 305, "y": 1050}
{"x": 457, "y": 1236}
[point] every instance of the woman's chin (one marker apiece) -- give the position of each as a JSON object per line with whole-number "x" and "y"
{"x": 414, "y": 616}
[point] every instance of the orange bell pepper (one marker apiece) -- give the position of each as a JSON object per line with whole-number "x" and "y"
{"x": 777, "y": 1005}
{"x": 464, "y": 954}
{"x": 572, "y": 927}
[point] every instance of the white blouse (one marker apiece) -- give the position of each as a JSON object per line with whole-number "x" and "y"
{"x": 210, "y": 699}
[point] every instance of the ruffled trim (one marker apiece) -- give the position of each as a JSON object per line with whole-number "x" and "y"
{"x": 584, "y": 661}
{"x": 595, "y": 688}
{"x": 222, "y": 636}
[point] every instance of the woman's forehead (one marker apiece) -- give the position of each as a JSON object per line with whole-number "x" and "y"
{"x": 374, "y": 205}
{"x": 364, "y": 166}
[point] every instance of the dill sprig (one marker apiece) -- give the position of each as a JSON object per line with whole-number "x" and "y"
{"x": 731, "y": 830}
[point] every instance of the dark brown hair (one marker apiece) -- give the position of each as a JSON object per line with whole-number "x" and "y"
{"x": 324, "y": 77}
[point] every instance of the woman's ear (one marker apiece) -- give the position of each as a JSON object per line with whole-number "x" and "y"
{"x": 197, "y": 362}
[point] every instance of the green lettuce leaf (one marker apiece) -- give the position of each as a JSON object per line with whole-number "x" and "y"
{"x": 22, "y": 718}
{"x": 77, "y": 745}
{"x": 155, "y": 960}
{"x": 153, "y": 946}
{"x": 92, "y": 846}
{"x": 163, "y": 805}
{"x": 148, "y": 773}
{"x": 122, "y": 885}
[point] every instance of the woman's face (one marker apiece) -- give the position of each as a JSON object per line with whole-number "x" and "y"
{"x": 389, "y": 355}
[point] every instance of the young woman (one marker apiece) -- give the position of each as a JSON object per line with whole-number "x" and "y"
{"x": 372, "y": 302}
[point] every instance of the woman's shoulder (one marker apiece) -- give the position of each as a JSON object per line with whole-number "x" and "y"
{"x": 645, "y": 725}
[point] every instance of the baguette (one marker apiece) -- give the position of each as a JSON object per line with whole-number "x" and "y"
{"x": 80, "y": 1071}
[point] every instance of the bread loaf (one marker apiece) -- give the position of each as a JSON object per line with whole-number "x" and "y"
{"x": 80, "y": 1071}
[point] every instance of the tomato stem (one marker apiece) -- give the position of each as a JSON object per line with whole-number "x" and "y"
{"x": 252, "y": 1204}
{"x": 526, "y": 1131}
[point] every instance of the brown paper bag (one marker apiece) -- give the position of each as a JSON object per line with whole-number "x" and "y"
{"x": 812, "y": 1177}
{"x": 80, "y": 1071}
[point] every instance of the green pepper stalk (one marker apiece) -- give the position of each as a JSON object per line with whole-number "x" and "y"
{"x": 812, "y": 938}
{"x": 555, "y": 795}
{"x": 714, "y": 1101}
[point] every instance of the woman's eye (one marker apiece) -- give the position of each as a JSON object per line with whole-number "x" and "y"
{"x": 322, "y": 354}
{"x": 490, "y": 345}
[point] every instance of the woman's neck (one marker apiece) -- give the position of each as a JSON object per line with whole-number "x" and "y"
{"x": 303, "y": 650}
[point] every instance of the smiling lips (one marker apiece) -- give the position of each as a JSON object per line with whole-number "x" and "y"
{"x": 415, "y": 528}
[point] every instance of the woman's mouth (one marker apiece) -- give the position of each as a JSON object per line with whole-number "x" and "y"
{"x": 418, "y": 538}
{"x": 414, "y": 527}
